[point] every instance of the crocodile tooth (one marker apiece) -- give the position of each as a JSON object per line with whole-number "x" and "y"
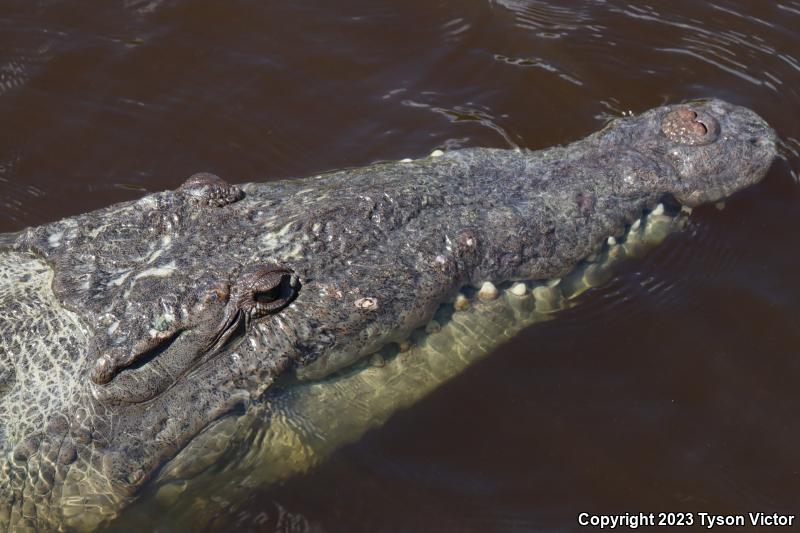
{"x": 548, "y": 299}
{"x": 616, "y": 253}
{"x": 461, "y": 303}
{"x": 518, "y": 289}
{"x": 657, "y": 229}
{"x": 488, "y": 292}
{"x": 596, "y": 275}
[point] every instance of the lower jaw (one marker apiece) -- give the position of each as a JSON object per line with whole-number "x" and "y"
{"x": 308, "y": 421}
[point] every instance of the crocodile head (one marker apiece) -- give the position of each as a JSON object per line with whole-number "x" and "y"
{"x": 164, "y": 316}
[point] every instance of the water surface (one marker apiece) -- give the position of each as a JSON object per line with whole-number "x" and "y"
{"x": 674, "y": 388}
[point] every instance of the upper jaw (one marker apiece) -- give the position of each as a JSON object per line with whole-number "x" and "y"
{"x": 725, "y": 186}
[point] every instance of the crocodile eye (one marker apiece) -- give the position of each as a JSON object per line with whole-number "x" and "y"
{"x": 267, "y": 290}
{"x": 268, "y": 296}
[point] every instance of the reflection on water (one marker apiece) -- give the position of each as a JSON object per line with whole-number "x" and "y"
{"x": 672, "y": 388}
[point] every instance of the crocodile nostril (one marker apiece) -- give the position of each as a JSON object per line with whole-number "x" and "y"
{"x": 687, "y": 126}
{"x": 694, "y": 123}
{"x": 700, "y": 128}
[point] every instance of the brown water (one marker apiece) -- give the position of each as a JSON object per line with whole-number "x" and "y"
{"x": 674, "y": 388}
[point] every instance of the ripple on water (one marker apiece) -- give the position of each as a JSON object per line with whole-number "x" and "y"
{"x": 546, "y": 19}
{"x": 17, "y": 200}
{"x": 667, "y": 277}
{"x": 25, "y": 58}
{"x": 470, "y": 113}
{"x": 789, "y": 152}
{"x": 722, "y": 38}
{"x": 454, "y": 29}
{"x": 536, "y": 62}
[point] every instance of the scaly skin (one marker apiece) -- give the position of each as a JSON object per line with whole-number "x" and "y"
{"x": 127, "y": 331}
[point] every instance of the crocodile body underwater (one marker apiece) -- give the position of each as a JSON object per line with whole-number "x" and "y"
{"x": 216, "y": 337}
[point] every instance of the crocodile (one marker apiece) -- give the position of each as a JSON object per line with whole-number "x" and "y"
{"x": 215, "y": 337}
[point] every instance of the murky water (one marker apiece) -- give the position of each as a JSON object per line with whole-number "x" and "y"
{"x": 674, "y": 388}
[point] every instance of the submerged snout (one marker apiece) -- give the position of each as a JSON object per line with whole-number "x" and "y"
{"x": 716, "y": 148}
